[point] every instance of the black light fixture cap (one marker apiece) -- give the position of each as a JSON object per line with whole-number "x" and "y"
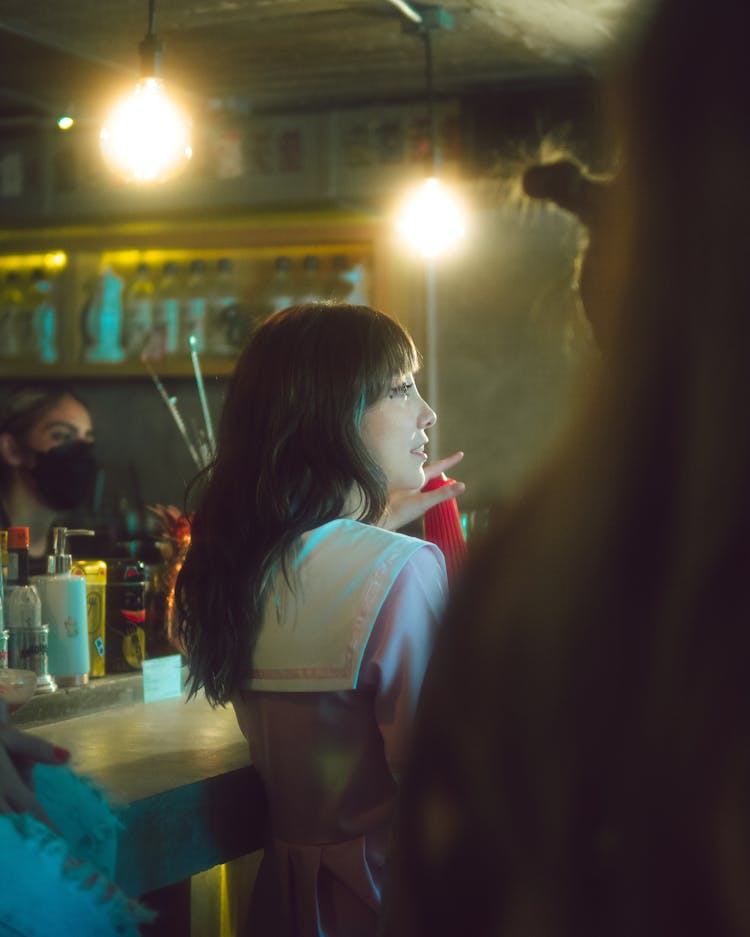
{"x": 150, "y": 50}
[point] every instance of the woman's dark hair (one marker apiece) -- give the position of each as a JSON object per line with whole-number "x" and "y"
{"x": 289, "y": 454}
{"x": 24, "y": 408}
{"x": 581, "y": 758}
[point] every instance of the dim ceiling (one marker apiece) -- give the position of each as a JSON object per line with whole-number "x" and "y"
{"x": 255, "y": 55}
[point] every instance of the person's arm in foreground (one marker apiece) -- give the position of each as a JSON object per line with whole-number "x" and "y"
{"x": 19, "y": 752}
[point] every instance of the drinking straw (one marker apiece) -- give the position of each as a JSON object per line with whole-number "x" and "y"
{"x": 202, "y": 393}
{"x": 171, "y": 403}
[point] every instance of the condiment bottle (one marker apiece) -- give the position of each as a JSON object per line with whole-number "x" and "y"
{"x": 63, "y": 599}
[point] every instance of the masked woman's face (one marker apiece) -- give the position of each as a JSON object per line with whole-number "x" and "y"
{"x": 60, "y": 460}
{"x": 67, "y": 421}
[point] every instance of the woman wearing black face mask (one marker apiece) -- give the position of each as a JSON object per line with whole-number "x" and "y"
{"x": 47, "y": 463}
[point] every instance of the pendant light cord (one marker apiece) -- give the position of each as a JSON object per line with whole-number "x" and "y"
{"x": 430, "y": 87}
{"x": 151, "y": 48}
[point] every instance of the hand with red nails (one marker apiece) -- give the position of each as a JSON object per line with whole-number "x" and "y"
{"x": 407, "y": 506}
{"x": 19, "y": 752}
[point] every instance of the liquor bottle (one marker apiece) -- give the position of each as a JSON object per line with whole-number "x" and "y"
{"x": 310, "y": 289}
{"x": 223, "y": 310}
{"x": 43, "y": 317}
{"x": 196, "y": 305}
{"x": 280, "y": 291}
{"x": 22, "y": 604}
{"x": 168, "y": 309}
{"x": 28, "y": 637}
{"x": 341, "y": 286}
{"x": 11, "y": 317}
{"x": 138, "y": 312}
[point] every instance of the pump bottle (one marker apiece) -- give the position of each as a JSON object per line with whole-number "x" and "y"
{"x": 64, "y": 609}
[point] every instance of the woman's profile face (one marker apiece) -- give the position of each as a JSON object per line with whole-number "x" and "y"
{"x": 394, "y": 431}
{"x": 67, "y": 421}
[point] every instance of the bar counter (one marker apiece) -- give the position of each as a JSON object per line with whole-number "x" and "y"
{"x": 179, "y": 775}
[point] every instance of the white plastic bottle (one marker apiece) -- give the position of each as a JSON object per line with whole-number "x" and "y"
{"x": 64, "y": 609}
{"x": 138, "y": 312}
{"x": 223, "y": 309}
{"x": 195, "y": 309}
{"x": 102, "y": 319}
{"x": 43, "y": 316}
{"x": 168, "y": 309}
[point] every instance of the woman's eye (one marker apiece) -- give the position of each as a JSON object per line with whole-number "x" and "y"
{"x": 400, "y": 390}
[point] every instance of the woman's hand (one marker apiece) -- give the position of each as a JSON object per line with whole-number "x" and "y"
{"x": 407, "y": 506}
{"x": 19, "y": 753}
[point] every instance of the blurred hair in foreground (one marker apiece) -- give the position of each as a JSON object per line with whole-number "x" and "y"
{"x": 582, "y": 754}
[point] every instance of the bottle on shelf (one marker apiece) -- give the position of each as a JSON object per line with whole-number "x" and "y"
{"x": 94, "y": 573}
{"x": 340, "y": 287}
{"x": 43, "y": 317}
{"x": 125, "y": 616}
{"x": 27, "y": 636}
{"x": 102, "y": 320}
{"x": 63, "y": 602}
{"x": 310, "y": 288}
{"x": 138, "y": 311}
{"x": 223, "y": 310}
{"x": 196, "y": 305}
{"x": 350, "y": 282}
{"x": 3, "y": 632}
{"x": 11, "y": 317}
{"x": 4, "y": 552}
{"x": 280, "y": 291}
{"x": 168, "y": 302}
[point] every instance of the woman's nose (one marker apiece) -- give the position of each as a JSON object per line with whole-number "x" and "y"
{"x": 427, "y": 416}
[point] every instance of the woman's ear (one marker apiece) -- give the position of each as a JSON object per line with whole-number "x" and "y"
{"x": 11, "y": 451}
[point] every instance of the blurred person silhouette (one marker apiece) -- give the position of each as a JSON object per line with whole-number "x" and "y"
{"x": 295, "y": 604}
{"x": 581, "y": 754}
{"x": 47, "y": 462}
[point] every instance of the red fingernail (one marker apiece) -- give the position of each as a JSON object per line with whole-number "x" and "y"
{"x": 61, "y": 754}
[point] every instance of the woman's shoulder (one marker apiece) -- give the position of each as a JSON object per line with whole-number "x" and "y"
{"x": 355, "y": 536}
{"x": 353, "y": 550}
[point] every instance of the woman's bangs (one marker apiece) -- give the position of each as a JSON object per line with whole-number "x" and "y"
{"x": 398, "y": 357}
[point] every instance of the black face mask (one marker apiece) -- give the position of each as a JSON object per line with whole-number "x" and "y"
{"x": 64, "y": 475}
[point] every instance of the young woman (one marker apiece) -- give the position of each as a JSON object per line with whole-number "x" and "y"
{"x": 47, "y": 462}
{"x": 295, "y": 604}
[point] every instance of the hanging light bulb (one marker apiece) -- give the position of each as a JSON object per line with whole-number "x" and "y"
{"x": 146, "y": 138}
{"x": 432, "y": 219}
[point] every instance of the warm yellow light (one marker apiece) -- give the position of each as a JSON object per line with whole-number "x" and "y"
{"x": 65, "y": 123}
{"x": 56, "y": 261}
{"x": 146, "y": 137}
{"x": 432, "y": 219}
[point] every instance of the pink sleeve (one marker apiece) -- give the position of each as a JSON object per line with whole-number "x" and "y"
{"x": 399, "y": 648}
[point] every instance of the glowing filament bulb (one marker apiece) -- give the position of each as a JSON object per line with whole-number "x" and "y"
{"x": 146, "y": 138}
{"x": 432, "y": 219}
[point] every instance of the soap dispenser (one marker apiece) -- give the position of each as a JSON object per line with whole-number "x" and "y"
{"x": 64, "y": 610}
